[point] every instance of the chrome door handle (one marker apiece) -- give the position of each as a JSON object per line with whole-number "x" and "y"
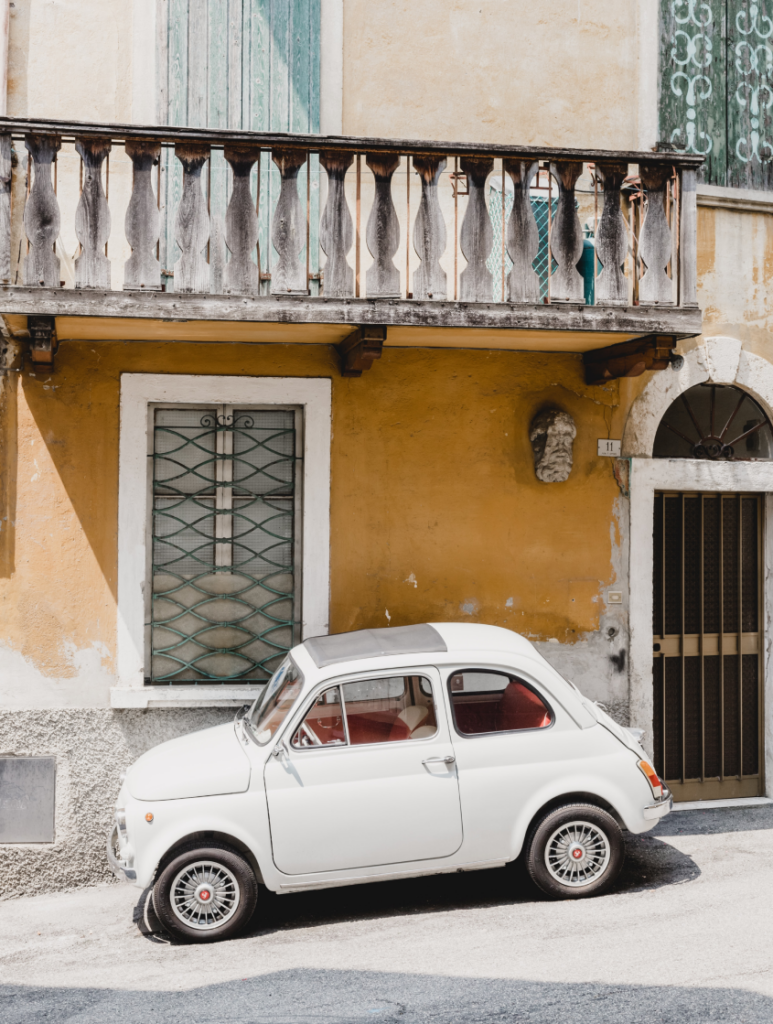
{"x": 440, "y": 760}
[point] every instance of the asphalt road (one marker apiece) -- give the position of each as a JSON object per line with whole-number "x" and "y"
{"x": 686, "y": 937}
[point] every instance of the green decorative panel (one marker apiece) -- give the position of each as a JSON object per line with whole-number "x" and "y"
{"x": 716, "y": 87}
{"x": 251, "y": 64}
{"x": 225, "y": 504}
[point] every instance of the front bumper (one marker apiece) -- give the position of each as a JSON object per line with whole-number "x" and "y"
{"x": 121, "y": 869}
{"x": 661, "y": 808}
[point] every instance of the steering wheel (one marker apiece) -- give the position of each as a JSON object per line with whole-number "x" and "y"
{"x": 308, "y": 733}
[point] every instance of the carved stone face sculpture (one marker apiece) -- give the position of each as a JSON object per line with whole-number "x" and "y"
{"x": 552, "y": 434}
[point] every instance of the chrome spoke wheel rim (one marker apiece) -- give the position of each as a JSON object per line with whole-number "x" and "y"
{"x": 204, "y": 895}
{"x": 577, "y": 854}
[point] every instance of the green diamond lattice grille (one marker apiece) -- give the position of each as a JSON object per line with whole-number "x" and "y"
{"x": 494, "y": 262}
{"x": 224, "y": 544}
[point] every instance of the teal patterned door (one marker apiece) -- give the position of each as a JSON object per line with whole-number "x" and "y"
{"x": 716, "y": 87}
{"x": 250, "y": 64}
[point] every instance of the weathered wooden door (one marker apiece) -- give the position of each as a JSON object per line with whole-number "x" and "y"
{"x": 707, "y": 644}
{"x": 249, "y": 64}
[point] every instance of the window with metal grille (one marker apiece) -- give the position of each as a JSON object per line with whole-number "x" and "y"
{"x": 225, "y": 535}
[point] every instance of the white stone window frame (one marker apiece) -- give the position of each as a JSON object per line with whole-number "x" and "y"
{"x": 139, "y": 393}
{"x": 720, "y": 360}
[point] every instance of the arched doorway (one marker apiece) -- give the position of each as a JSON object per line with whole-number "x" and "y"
{"x": 707, "y": 606}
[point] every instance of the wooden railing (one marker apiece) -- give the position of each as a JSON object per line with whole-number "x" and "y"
{"x": 238, "y": 213}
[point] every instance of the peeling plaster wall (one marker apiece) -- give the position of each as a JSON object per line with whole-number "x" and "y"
{"x": 436, "y": 511}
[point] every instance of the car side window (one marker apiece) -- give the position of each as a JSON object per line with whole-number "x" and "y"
{"x": 485, "y": 702}
{"x": 373, "y": 711}
{"x": 389, "y": 709}
{"x": 323, "y": 725}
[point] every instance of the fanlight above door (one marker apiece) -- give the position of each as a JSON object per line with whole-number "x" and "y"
{"x": 714, "y": 421}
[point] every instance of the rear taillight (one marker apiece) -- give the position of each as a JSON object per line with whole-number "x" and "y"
{"x": 652, "y": 777}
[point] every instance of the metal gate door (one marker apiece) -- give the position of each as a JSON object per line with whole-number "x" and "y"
{"x": 707, "y": 644}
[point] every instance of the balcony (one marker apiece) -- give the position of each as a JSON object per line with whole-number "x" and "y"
{"x": 234, "y": 231}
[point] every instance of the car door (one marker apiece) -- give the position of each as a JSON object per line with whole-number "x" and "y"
{"x": 510, "y": 740}
{"x": 366, "y": 777}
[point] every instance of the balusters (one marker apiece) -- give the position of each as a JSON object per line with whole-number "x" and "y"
{"x": 242, "y": 276}
{"x": 476, "y": 238}
{"x": 289, "y": 231}
{"x": 429, "y": 231}
{"x": 336, "y": 230}
{"x": 41, "y": 214}
{"x": 688, "y": 238}
{"x": 5, "y": 209}
{"x": 522, "y": 236}
{"x": 191, "y": 229}
{"x": 612, "y": 238}
{"x": 655, "y": 241}
{"x": 566, "y": 242}
{"x": 92, "y": 217}
{"x": 382, "y": 234}
{"x": 142, "y": 224}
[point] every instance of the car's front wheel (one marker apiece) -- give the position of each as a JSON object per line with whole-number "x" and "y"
{"x": 574, "y": 850}
{"x": 205, "y": 893}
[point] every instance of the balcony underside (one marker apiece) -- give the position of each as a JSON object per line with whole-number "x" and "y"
{"x": 94, "y": 315}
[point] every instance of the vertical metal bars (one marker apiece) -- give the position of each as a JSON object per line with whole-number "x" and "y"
{"x": 708, "y": 615}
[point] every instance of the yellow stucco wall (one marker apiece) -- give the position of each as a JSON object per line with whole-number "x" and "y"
{"x": 436, "y": 510}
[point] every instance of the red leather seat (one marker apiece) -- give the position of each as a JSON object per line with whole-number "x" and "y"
{"x": 520, "y": 708}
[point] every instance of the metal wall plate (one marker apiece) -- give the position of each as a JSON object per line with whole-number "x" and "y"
{"x": 27, "y": 791}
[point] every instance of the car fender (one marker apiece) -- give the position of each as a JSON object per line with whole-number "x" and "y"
{"x": 627, "y": 799}
{"x": 235, "y": 815}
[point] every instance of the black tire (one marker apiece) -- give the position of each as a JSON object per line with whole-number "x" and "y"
{"x": 219, "y": 865}
{"x": 596, "y": 869}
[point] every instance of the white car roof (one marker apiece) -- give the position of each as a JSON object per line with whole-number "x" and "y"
{"x": 445, "y": 642}
{"x": 425, "y": 638}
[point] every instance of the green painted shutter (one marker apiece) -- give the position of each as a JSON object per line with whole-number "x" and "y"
{"x": 251, "y": 64}
{"x": 716, "y": 87}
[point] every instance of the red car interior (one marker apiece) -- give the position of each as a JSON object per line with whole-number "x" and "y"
{"x": 515, "y": 707}
{"x": 374, "y": 720}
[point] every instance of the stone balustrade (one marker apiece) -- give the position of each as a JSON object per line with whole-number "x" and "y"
{"x": 246, "y": 214}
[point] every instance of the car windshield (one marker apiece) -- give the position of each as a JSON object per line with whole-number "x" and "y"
{"x": 282, "y": 691}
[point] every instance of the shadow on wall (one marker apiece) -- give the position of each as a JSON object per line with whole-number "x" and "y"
{"x": 81, "y": 437}
{"x": 301, "y": 996}
{"x": 9, "y": 432}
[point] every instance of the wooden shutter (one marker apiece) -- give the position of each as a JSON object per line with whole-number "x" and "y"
{"x": 716, "y": 87}
{"x": 251, "y": 64}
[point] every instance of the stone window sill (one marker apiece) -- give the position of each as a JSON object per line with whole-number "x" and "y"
{"x": 183, "y": 696}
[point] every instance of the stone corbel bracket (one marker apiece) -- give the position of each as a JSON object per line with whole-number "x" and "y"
{"x": 630, "y": 358}
{"x": 43, "y": 342}
{"x": 359, "y": 350}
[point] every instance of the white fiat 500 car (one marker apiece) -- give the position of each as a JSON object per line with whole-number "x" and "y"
{"x": 382, "y": 754}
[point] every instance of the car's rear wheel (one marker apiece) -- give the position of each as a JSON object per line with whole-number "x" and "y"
{"x": 205, "y": 893}
{"x": 575, "y": 850}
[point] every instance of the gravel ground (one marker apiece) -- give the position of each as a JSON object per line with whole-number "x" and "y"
{"x": 687, "y": 936}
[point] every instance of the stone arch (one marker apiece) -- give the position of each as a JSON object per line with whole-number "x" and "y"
{"x": 721, "y": 360}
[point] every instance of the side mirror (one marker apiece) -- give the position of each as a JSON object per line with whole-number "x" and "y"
{"x": 280, "y": 751}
